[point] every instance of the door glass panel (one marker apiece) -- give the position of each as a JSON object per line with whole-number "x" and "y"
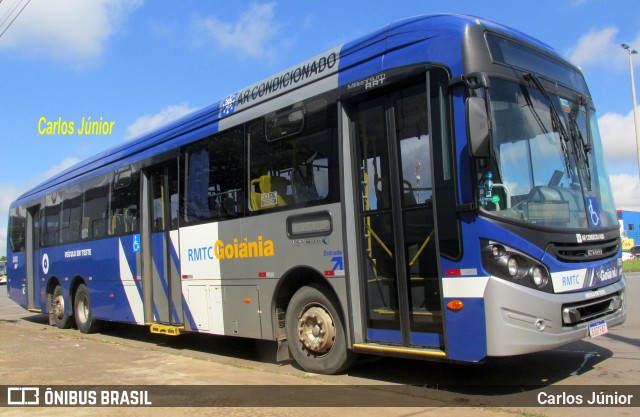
{"x": 376, "y": 217}
{"x": 162, "y": 202}
{"x": 398, "y": 233}
{"x": 158, "y": 192}
{"x": 412, "y": 136}
{"x": 174, "y": 200}
{"x": 166, "y": 285}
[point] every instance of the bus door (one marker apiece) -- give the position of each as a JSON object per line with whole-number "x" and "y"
{"x": 163, "y": 291}
{"x": 35, "y": 266}
{"x": 397, "y": 218}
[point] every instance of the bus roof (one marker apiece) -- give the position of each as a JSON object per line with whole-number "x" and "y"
{"x": 204, "y": 121}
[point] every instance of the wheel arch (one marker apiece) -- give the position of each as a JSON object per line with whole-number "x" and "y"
{"x": 291, "y": 282}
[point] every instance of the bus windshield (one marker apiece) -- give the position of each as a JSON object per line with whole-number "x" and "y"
{"x": 546, "y": 166}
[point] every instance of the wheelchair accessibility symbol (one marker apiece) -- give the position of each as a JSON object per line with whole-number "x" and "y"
{"x": 594, "y": 211}
{"x": 136, "y": 243}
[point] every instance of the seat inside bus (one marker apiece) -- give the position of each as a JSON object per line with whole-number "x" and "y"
{"x": 268, "y": 191}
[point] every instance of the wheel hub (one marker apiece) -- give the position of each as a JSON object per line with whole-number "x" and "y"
{"x": 316, "y": 330}
{"x": 83, "y": 309}
{"x": 58, "y": 306}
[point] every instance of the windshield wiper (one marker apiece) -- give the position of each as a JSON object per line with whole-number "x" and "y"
{"x": 556, "y": 123}
{"x": 585, "y": 145}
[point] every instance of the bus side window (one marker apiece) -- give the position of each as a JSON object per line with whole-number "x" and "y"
{"x": 213, "y": 172}
{"x": 71, "y": 214}
{"x": 95, "y": 216}
{"x": 51, "y": 224}
{"x": 123, "y": 212}
{"x": 17, "y": 232}
{"x": 290, "y": 154}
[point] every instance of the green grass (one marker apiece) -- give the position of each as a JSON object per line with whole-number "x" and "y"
{"x": 632, "y": 265}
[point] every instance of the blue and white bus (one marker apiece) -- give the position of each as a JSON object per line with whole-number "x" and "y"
{"x": 436, "y": 189}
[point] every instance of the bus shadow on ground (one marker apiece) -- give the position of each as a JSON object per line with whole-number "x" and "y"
{"x": 232, "y": 348}
{"x": 495, "y": 376}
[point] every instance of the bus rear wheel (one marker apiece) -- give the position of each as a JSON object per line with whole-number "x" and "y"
{"x": 315, "y": 332}
{"x": 57, "y": 309}
{"x": 83, "y": 312}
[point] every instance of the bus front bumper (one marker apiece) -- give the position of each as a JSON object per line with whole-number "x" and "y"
{"x": 522, "y": 320}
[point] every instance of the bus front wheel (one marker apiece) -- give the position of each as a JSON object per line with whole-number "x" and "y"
{"x": 83, "y": 312}
{"x": 315, "y": 332}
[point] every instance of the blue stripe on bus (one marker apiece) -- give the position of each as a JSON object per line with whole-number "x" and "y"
{"x": 466, "y": 331}
{"x": 394, "y": 336}
{"x": 188, "y": 317}
{"x": 400, "y": 43}
{"x": 176, "y": 261}
{"x": 158, "y": 255}
{"x": 383, "y": 335}
{"x": 427, "y": 339}
{"x": 130, "y": 255}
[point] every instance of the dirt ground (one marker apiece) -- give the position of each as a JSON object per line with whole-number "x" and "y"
{"x": 240, "y": 376}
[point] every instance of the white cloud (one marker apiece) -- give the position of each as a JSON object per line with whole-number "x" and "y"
{"x": 602, "y": 47}
{"x": 618, "y": 138}
{"x": 8, "y": 193}
{"x": 151, "y": 121}
{"x": 250, "y": 35}
{"x": 620, "y": 149}
{"x": 626, "y": 189}
{"x": 66, "y": 163}
{"x": 598, "y": 47}
{"x": 73, "y": 32}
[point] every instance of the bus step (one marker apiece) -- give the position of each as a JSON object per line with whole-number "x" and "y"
{"x": 408, "y": 352}
{"x": 166, "y": 329}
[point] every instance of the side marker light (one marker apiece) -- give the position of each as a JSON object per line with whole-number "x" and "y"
{"x": 455, "y": 305}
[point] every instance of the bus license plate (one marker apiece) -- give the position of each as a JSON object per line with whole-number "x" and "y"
{"x": 598, "y": 329}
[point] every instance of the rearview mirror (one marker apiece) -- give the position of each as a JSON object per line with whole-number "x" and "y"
{"x": 477, "y": 127}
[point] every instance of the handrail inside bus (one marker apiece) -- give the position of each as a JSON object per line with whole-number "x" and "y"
{"x": 424, "y": 245}
{"x": 377, "y": 238}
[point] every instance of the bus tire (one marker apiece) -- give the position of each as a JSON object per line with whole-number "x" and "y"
{"x": 83, "y": 311}
{"x": 315, "y": 332}
{"x": 57, "y": 309}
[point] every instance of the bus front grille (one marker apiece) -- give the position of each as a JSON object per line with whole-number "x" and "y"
{"x": 577, "y": 313}
{"x": 581, "y": 252}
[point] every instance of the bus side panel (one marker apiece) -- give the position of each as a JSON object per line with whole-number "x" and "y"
{"x": 466, "y": 336}
{"x": 321, "y": 255}
{"x": 16, "y": 277}
{"x": 232, "y": 269}
{"x": 128, "y": 305}
{"x": 108, "y": 269}
{"x": 201, "y": 278}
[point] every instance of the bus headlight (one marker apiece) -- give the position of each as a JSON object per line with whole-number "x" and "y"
{"x": 539, "y": 279}
{"x": 497, "y": 251}
{"x": 510, "y": 264}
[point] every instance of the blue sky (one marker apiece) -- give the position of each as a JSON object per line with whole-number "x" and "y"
{"x": 142, "y": 63}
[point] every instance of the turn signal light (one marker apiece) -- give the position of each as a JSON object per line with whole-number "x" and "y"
{"x": 455, "y": 305}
